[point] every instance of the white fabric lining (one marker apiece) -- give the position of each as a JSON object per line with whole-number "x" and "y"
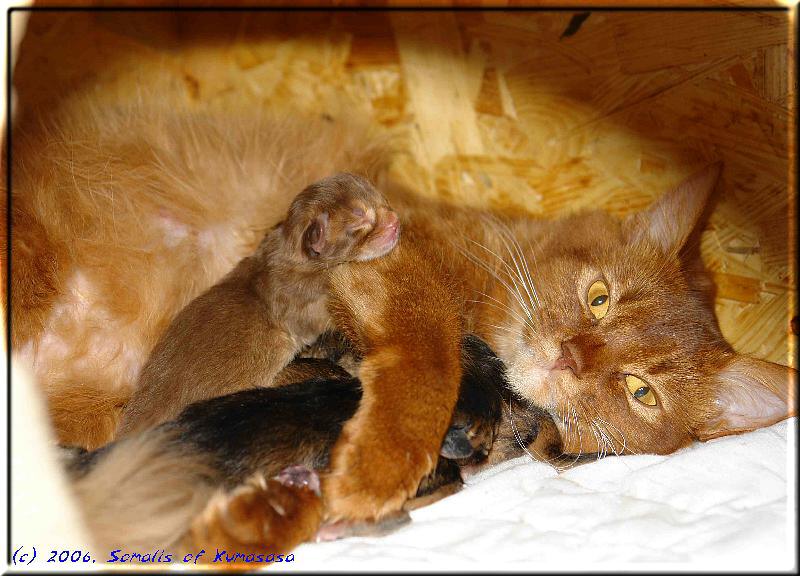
{"x": 727, "y": 504}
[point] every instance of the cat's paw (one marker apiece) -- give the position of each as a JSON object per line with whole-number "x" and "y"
{"x": 275, "y": 514}
{"x": 343, "y": 218}
{"x": 371, "y": 477}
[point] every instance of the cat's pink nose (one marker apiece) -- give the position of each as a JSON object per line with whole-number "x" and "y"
{"x": 570, "y": 358}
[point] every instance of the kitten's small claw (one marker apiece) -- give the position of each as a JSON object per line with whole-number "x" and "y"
{"x": 349, "y": 528}
{"x": 299, "y": 477}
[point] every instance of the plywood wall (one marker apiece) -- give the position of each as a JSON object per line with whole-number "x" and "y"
{"x": 539, "y": 111}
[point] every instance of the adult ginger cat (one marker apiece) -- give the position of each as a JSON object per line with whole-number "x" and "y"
{"x": 600, "y": 321}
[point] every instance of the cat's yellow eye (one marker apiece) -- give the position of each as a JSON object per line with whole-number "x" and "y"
{"x": 598, "y": 299}
{"x": 640, "y": 390}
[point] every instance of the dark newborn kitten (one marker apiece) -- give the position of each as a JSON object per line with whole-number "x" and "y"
{"x": 242, "y": 331}
{"x": 219, "y": 445}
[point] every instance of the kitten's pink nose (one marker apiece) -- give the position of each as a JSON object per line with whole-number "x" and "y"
{"x": 391, "y": 225}
{"x": 570, "y": 358}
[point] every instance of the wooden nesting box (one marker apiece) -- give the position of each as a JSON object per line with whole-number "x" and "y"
{"x": 539, "y": 111}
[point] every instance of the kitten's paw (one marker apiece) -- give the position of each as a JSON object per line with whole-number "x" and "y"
{"x": 276, "y": 514}
{"x": 299, "y": 477}
{"x": 370, "y": 478}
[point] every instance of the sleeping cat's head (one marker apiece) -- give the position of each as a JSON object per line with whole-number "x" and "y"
{"x": 623, "y": 347}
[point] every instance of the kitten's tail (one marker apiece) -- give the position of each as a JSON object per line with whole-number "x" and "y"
{"x": 152, "y": 491}
{"x": 139, "y": 494}
{"x": 84, "y": 414}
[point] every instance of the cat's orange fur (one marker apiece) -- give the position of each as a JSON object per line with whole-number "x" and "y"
{"x": 523, "y": 288}
{"x": 122, "y": 216}
{"x": 143, "y": 199}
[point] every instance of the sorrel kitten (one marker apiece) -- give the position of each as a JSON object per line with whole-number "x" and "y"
{"x": 243, "y": 330}
{"x": 601, "y": 321}
{"x": 231, "y": 470}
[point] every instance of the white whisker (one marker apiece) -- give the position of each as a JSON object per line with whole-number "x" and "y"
{"x": 571, "y": 417}
{"x": 500, "y": 306}
{"x": 580, "y": 437}
{"x": 516, "y": 433}
{"x": 506, "y": 230}
{"x": 621, "y": 435}
{"x": 510, "y": 273}
{"x": 509, "y": 330}
{"x": 505, "y": 236}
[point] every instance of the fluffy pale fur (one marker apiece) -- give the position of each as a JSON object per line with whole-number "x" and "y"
{"x": 143, "y": 494}
{"x": 122, "y": 216}
{"x": 143, "y": 198}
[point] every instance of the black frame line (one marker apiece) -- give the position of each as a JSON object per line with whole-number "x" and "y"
{"x": 289, "y": 8}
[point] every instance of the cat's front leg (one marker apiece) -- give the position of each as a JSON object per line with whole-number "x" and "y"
{"x": 403, "y": 316}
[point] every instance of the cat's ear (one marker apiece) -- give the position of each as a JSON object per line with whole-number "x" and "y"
{"x": 751, "y": 394}
{"x": 671, "y": 218}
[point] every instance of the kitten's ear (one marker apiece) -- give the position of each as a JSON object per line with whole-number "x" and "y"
{"x": 671, "y": 218}
{"x": 316, "y": 235}
{"x": 752, "y": 394}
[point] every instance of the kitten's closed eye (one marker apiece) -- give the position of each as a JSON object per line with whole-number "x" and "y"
{"x": 361, "y": 221}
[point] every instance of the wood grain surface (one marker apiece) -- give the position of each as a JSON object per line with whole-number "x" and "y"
{"x": 543, "y": 111}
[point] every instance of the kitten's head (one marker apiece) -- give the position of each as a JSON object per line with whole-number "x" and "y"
{"x": 623, "y": 347}
{"x": 342, "y": 218}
